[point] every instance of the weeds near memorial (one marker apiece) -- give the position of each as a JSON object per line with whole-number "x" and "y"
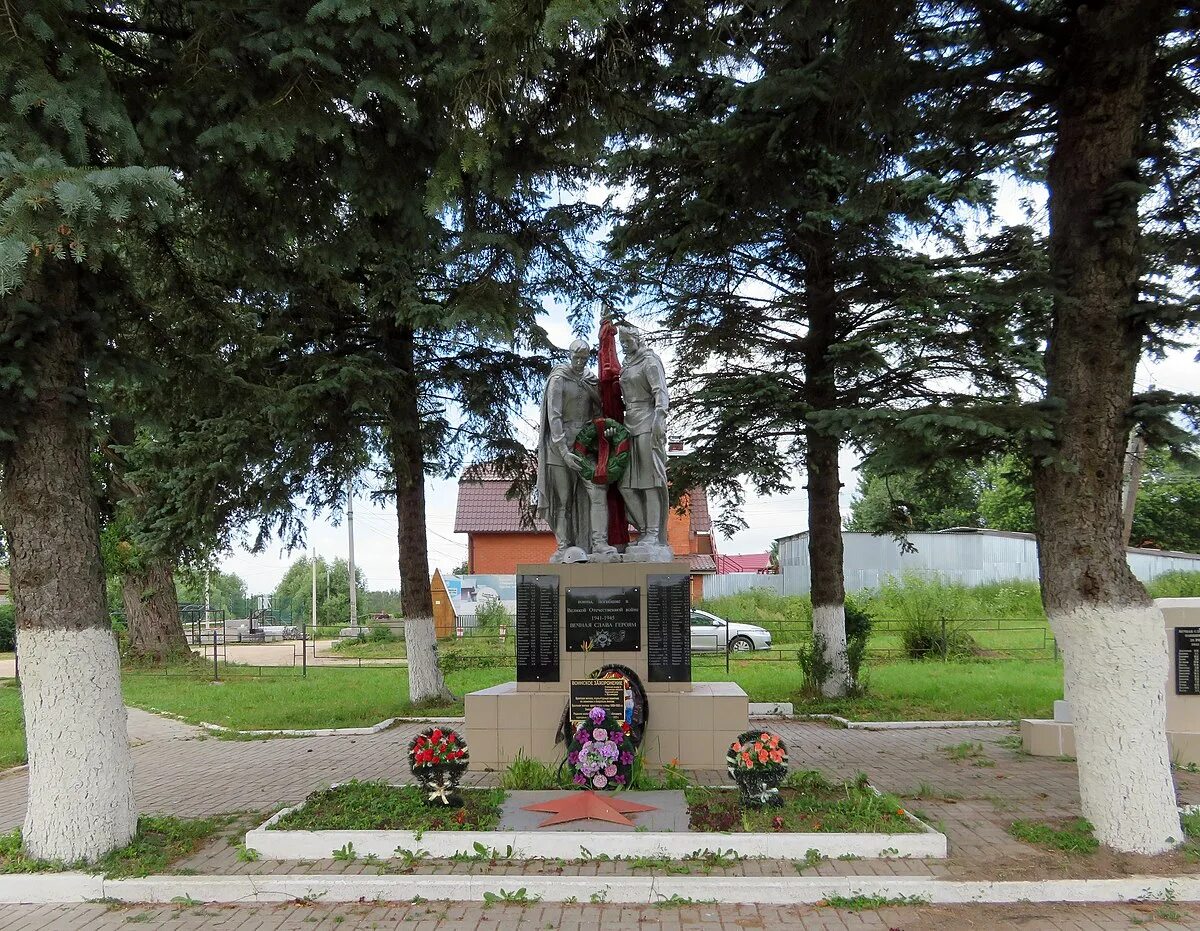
{"x": 520, "y": 897}
{"x": 1074, "y": 836}
{"x": 859, "y": 903}
{"x": 968, "y": 750}
{"x": 527, "y": 774}
{"x": 679, "y": 901}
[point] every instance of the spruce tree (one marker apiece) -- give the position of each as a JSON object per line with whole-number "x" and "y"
{"x": 77, "y": 196}
{"x": 781, "y": 179}
{"x": 1097, "y": 101}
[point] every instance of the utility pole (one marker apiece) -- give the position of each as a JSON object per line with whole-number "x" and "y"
{"x": 353, "y": 581}
{"x": 314, "y": 591}
{"x": 1135, "y": 453}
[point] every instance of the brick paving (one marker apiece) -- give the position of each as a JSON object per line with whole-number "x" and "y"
{"x": 181, "y": 770}
{"x": 437, "y": 916}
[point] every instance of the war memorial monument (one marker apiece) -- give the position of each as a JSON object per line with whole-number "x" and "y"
{"x": 607, "y": 621}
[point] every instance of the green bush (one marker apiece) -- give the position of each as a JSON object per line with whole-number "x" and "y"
{"x": 858, "y": 632}
{"x": 381, "y": 633}
{"x": 491, "y": 615}
{"x": 1178, "y": 584}
{"x": 935, "y": 637}
{"x": 8, "y": 628}
{"x": 527, "y": 774}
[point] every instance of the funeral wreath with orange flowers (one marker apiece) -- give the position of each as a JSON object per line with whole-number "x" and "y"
{"x": 758, "y": 763}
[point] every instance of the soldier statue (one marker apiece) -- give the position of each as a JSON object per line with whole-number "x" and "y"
{"x": 644, "y": 483}
{"x": 575, "y": 508}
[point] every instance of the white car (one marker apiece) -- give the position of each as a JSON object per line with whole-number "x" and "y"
{"x": 713, "y": 634}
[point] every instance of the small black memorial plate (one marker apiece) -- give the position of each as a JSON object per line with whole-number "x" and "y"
{"x": 537, "y": 628}
{"x": 604, "y": 618}
{"x": 668, "y": 628}
{"x": 1187, "y": 660}
{"x": 587, "y": 694}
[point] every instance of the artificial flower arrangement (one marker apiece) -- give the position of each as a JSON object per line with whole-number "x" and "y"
{"x": 438, "y": 758}
{"x": 758, "y": 763}
{"x": 601, "y": 752}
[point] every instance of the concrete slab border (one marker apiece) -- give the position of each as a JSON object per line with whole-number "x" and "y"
{"x": 903, "y": 725}
{"x": 572, "y": 845}
{"x": 80, "y": 887}
{"x": 316, "y": 732}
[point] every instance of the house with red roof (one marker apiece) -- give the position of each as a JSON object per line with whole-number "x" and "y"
{"x": 745, "y": 562}
{"x": 502, "y": 532}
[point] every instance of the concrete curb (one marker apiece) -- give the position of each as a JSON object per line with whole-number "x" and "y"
{"x": 571, "y": 845}
{"x": 49, "y": 888}
{"x": 35, "y": 889}
{"x": 904, "y": 725}
{"x": 318, "y": 732}
{"x": 771, "y": 709}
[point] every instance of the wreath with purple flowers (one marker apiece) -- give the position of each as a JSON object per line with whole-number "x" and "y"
{"x": 601, "y": 752}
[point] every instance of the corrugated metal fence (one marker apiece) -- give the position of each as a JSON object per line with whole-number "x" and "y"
{"x": 969, "y": 558}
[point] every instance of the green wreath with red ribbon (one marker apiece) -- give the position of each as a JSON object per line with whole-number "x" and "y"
{"x": 605, "y": 458}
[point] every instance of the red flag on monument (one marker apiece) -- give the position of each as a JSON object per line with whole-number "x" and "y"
{"x": 614, "y": 409}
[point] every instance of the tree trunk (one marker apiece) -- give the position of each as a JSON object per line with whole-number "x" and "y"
{"x": 827, "y": 587}
{"x": 408, "y": 467}
{"x": 80, "y": 773}
{"x": 152, "y": 614}
{"x": 1112, "y": 637}
{"x": 827, "y": 582}
{"x": 425, "y": 680}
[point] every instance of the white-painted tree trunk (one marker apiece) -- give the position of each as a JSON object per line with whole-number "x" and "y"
{"x": 80, "y": 771}
{"x": 829, "y": 624}
{"x": 1115, "y": 673}
{"x": 425, "y": 680}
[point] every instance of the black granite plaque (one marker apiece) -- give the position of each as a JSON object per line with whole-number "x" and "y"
{"x": 1187, "y": 660}
{"x": 587, "y": 694}
{"x": 601, "y": 617}
{"x": 668, "y": 628}
{"x": 537, "y": 628}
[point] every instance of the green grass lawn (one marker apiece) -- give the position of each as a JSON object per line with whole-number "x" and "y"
{"x": 910, "y": 690}
{"x": 12, "y": 725}
{"x": 357, "y": 697}
{"x": 325, "y": 698}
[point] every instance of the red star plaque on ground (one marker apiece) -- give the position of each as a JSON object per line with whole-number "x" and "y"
{"x": 581, "y": 806}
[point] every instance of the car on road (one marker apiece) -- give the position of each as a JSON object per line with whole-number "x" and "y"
{"x": 714, "y": 634}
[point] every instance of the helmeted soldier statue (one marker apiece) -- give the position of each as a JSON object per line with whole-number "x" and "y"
{"x": 575, "y": 508}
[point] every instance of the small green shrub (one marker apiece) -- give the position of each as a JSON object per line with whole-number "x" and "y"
{"x": 1178, "y": 584}
{"x": 381, "y": 633}
{"x": 934, "y": 638}
{"x": 858, "y": 632}
{"x": 526, "y": 773}
{"x": 491, "y": 615}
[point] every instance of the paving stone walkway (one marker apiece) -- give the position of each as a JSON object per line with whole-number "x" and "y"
{"x": 970, "y": 782}
{"x": 442, "y": 916}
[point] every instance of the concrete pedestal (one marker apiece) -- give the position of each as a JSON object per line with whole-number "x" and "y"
{"x": 1041, "y": 737}
{"x": 692, "y": 723}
